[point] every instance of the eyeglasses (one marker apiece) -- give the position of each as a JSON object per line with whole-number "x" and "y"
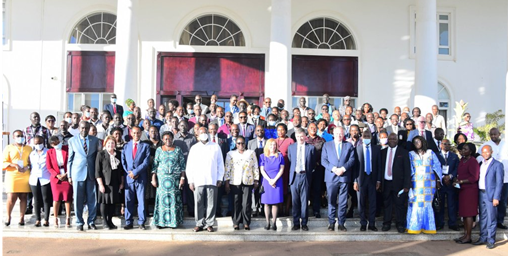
{"x": 19, "y": 136}
{"x": 240, "y": 143}
{"x": 447, "y": 144}
{"x": 409, "y": 124}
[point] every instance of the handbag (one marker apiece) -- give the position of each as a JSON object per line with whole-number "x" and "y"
{"x": 261, "y": 189}
{"x": 436, "y": 202}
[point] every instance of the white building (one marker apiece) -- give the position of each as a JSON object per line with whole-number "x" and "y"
{"x": 388, "y": 53}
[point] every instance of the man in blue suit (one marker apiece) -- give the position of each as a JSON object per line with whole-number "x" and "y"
{"x": 367, "y": 179}
{"x": 114, "y": 108}
{"x": 303, "y": 163}
{"x": 135, "y": 158}
{"x": 81, "y": 169}
{"x": 338, "y": 158}
{"x": 490, "y": 185}
{"x": 246, "y": 129}
{"x": 449, "y": 165}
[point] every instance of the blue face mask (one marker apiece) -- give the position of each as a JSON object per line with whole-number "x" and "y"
{"x": 366, "y": 141}
{"x": 20, "y": 140}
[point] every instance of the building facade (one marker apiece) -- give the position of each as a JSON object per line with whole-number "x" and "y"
{"x": 60, "y": 54}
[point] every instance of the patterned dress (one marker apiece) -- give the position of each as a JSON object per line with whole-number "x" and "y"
{"x": 424, "y": 170}
{"x": 168, "y": 165}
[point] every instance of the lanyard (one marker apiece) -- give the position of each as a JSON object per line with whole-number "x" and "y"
{"x": 20, "y": 152}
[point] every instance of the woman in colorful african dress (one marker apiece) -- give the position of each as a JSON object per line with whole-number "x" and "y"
{"x": 425, "y": 167}
{"x": 168, "y": 176}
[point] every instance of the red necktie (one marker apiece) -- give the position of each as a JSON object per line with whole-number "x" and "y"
{"x": 134, "y": 151}
{"x": 244, "y": 131}
{"x": 114, "y": 108}
{"x": 213, "y": 138}
{"x": 390, "y": 162}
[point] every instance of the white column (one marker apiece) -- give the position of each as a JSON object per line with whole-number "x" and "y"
{"x": 278, "y": 75}
{"x": 426, "y": 55}
{"x": 126, "y": 56}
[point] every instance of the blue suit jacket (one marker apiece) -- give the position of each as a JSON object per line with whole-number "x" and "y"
{"x": 452, "y": 161}
{"x": 494, "y": 180}
{"x": 109, "y": 107}
{"x": 249, "y": 132}
{"x": 139, "y": 165}
{"x": 81, "y": 165}
{"x": 310, "y": 161}
{"x": 329, "y": 160}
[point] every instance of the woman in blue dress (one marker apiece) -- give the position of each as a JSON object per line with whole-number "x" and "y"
{"x": 168, "y": 176}
{"x": 425, "y": 173}
{"x": 271, "y": 165}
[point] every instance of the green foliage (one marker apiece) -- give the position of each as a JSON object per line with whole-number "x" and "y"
{"x": 492, "y": 120}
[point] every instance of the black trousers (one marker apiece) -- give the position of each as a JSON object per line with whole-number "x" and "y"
{"x": 318, "y": 177}
{"x": 42, "y": 198}
{"x": 392, "y": 199}
{"x": 367, "y": 194}
{"x": 242, "y": 198}
{"x": 107, "y": 212}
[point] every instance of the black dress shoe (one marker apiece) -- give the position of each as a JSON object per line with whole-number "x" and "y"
{"x": 464, "y": 242}
{"x": 295, "y": 227}
{"x": 305, "y": 228}
{"x": 363, "y": 228}
{"x": 246, "y": 227}
{"x": 386, "y": 228}
{"x": 80, "y": 228}
{"x": 274, "y": 227}
{"x": 317, "y": 215}
{"x": 112, "y": 227}
{"x": 501, "y": 226}
{"x": 267, "y": 227}
{"x": 142, "y": 227}
{"x": 331, "y": 227}
{"x": 490, "y": 246}
{"x": 372, "y": 228}
{"x": 127, "y": 227}
{"x": 92, "y": 226}
{"x": 454, "y": 228}
{"x": 236, "y": 228}
{"x": 479, "y": 242}
{"x": 401, "y": 230}
{"x": 341, "y": 228}
{"x": 439, "y": 227}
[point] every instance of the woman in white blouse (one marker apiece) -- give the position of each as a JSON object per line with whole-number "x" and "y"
{"x": 39, "y": 181}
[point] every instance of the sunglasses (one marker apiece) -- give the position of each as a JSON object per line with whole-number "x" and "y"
{"x": 242, "y": 117}
{"x": 346, "y": 119}
{"x": 240, "y": 143}
{"x": 409, "y": 124}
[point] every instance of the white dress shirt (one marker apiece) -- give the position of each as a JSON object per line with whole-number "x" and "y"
{"x": 393, "y": 150}
{"x": 205, "y": 165}
{"x": 500, "y": 153}
{"x": 39, "y": 170}
{"x": 439, "y": 122}
{"x": 483, "y": 173}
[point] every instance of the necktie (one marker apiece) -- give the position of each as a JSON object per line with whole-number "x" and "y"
{"x": 390, "y": 162}
{"x": 85, "y": 147}
{"x": 243, "y": 133}
{"x": 439, "y": 145}
{"x": 134, "y": 151}
{"x": 255, "y": 122}
{"x": 114, "y": 108}
{"x": 421, "y": 133}
{"x": 260, "y": 144}
{"x": 213, "y": 138}
{"x": 367, "y": 161}
{"x": 338, "y": 151}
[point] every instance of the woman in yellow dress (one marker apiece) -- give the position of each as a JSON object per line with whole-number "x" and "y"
{"x": 17, "y": 167}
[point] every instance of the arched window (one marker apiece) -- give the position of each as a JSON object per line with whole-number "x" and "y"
{"x": 443, "y": 97}
{"x": 212, "y": 30}
{"x": 324, "y": 33}
{"x": 97, "y": 28}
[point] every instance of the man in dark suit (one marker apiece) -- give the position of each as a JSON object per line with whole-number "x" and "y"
{"x": 490, "y": 185}
{"x": 303, "y": 162}
{"x": 219, "y": 119}
{"x": 395, "y": 177}
{"x": 394, "y": 125}
{"x": 246, "y": 129}
{"x": 257, "y": 145}
{"x": 135, "y": 160}
{"x": 449, "y": 165}
{"x": 367, "y": 179}
{"x": 81, "y": 170}
{"x": 338, "y": 158}
{"x": 114, "y": 108}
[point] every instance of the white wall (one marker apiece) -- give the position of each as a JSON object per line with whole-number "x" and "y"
{"x": 386, "y": 72}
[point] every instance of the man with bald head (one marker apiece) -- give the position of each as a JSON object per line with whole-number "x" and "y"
{"x": 205, "y": 172}
{"x": 500, "y": 153}
{"x": 490, "y": 185}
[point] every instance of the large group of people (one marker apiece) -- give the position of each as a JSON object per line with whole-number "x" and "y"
{"x": 262, "y": 160}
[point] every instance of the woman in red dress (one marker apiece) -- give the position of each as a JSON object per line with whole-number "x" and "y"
{"x": 56, "y": 162}
{"x": 468, "y": 174}
{"x": 283, "y": 143}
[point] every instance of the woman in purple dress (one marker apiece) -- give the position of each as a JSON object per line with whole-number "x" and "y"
{"x": 271, "y": 164}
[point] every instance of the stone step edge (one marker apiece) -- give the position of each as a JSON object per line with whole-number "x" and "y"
{"x": 240, "y": 236}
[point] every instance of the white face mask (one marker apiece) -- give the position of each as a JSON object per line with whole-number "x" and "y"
{"x": 20, "y": 140}
{"x": 255, "y": 116}
{"x": 68, "y": 120}
{"x": 383, "y": 141}
{"x": 203, "y": 137}
{"x": 39, "y": 146}
{"x": 59, "y": 146}
{"x": 190, "y": 111}
{"x": 271, "y": 123}
{"x": 87, "y": 114}
{"x": 366, "y": 141}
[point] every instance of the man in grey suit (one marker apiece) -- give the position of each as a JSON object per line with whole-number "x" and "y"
{"x": 394, "y": 125}
{"x": 81, "y": 169}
